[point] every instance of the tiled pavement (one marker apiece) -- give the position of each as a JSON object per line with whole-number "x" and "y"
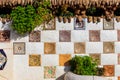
{"x": 45, "y": 54}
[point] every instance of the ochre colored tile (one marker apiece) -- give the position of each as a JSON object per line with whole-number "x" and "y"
{"x": 65, "y": 36}
{"x": 118, "y": 34}
{"x": 108, "y": 47}
{"x": 64, "y": 59}
{"x": 119, "y": 58}
{"x": 79, "y": 47}
{"x": 34, "y": 36}
{"x": 94, "y": 35}
{"x": 49, "y": 48}
{"x": 4, "y": 36}
{"x": 109, "y": 70}
{"x": 34, "y": 60}
{"x": 49, "y": 72}
{"x": 118, "y": 77}
{"x": 96, "y": 58}
{"x": 108, "y": 25}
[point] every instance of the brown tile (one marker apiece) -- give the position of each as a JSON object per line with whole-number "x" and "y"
{"x": 94, "y": 35}
{"x": 64, "y": 59}
{"x": 49, "y": 48}
{"x": 118, "y": 34}
{"x": 34, "y": 36}
{"x": 4, "y": 36}
{"x": 50, "y": 25}
{"x": 119, "y": 58}
{"x": 96, "y": 58}
{"x": 65, "y": 36}
{"x": 34, "y": 60}
{"x": 108, "y": 25}
{"x": 108, "y": 70}
{"x": 79, "y": 47}
{"x": 118, "y": 77}
{"x": 108, "y": 47}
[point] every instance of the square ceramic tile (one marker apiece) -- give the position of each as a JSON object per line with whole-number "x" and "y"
{"x": 64, "y": 59}
{"x": 50, "y": 36}
{"x": 79, "y": 47}
{"x": 80, "y": 36}
{"x": 79, "y": 25}
{"x": 49, "y": 72}
{"x": 19, "y": 48}
{"x": 4, "y": 36}
{"x": 108, "y": 35}
{"x": 96, "y": 58}
{"x": 108, "y": 25}
{"x": 34, "y": 60}
{"x": 49, "y": 48}
{"x": 118, "y": 35}
{"x": 119, "y": 58}
{"x": 118, "y": 77}
{"x": 50, "y": 25}
{"x": 65, "y": 36}
{"x": 34, "y": 36}
{"x": 108, "y": 47}
{"x": 109, "y": 70}
{"x": 94, "y": 35}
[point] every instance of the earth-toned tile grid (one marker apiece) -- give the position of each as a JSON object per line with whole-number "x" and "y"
{"x": 49, "y": 48}
{"x": 109, "y": 70}
{"x": 4, "y": 35}
{"x": 50, "y": 25}
{"x": 79, "y": 47}
{"x": 34, "y": 36}
{"x": 96, "y": 57}
{"x": 108, "y": 25}
{"x": 94, "y": 35}
{"x": 108, "y": 47}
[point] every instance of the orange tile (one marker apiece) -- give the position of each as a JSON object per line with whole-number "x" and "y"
{"x": 97, "y": 58}
{"x": 49, "y": 48}
{"x": 79, "y": 47}
{"x": 109, "y": 70}
{"x": 118, "y": 77}
{"x": 108, "y": 47}
{"x": 64, "y": 59}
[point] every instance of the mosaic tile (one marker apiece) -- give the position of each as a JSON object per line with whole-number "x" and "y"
{"x": 108, "y": 25}
{"x": 49, "y": 72}
{"x": 34, "y": 60}
{"x": 79, "y": 47}
{"x": 118, "y": 33}
{"x": 4, "y": 36}
{"x": 118, "y": 58}
{"x": 79, "y": 25}
{"x": 108, "y": 70}
{"x": 65, "y": 36}
{"x": 50, "y": 25}
{"x": 64, "y": 59}
{"x": 34, "y": 36}
{"x": 108, "y": 47}
{"x": 97, "y": 58}
{"x": 19, "y": 48}
{"x": 94, "y": 35}
{"x": 49, "y": 48}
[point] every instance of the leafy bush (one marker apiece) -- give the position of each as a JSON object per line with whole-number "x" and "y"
{"x": 83, "y": 65}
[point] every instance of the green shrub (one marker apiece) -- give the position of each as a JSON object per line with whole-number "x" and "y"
{"x": 83, "y": 65}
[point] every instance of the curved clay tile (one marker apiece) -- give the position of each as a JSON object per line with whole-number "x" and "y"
{"x": 89, "y": 18}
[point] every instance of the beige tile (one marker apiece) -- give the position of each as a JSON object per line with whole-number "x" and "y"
{"x": 49, "y": 48}
{"x": 108, "y": 47}
{"x": 79, "y": 47}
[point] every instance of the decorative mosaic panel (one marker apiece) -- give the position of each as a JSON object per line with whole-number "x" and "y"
{"x": 4, "y": 36}
{"x": 108, "y": 47}
{"x": 34, "y": 60}
{"x": 49, "y": 72}
{"x": 79, "y": 47}
{"x": 108, "y": 70}
{"x": 19, "y": 48}
{"x": 96, "y": 58}
{"x": 79, "y": 25}
{"x": 50, "y": 25}
{"x": 94, "y": 35}
{"x": 108, "y": 25}
{"x": 34, "y": 36}
{"x": 49, "y": 48}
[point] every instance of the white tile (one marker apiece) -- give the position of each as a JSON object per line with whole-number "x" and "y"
{"x": 64, "y": 48}
{"x": 100, "y": 78}
{"x": 34, "y": 48}
{"x": 6, "y": 45}
{"x": 49, "y": 36}
{"x": 94, "y": 47}
{"x": 108, "y": 35}
{"x": 64, "y": 26}
{"x": 50, "y": 60}
{"x": 117, "y": 47}
{"x": 79, "y": 36}
{"x": 117, "y": 70}
{"x": 116, "y": 24}
{"x": 108, "y": 59}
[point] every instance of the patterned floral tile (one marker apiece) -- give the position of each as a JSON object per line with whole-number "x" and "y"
{"x": 64, "y": 59}
{"x": 118, "y": 33}
{"x": 94, "y": 35}
{"x": 108, "y": 47}
{"x": 49, "y": 72}
{"x": 49, "y": 48}
{"x": 79, "y": 47}
{"x": 65, "y": 36}
{"x": 34, "y": 36}
{"x": 19, "y": 48}
{"x": 50, "y": 25}
{"x": 79, "y": 25}
{"x": 96, "y": 57}
{"x": 108, "y": 25}
{"x": 34, "y": 60}
{"x": 119, "y": 58}
{"x": 109, "y": 70}
{"x": 4, "y": 36}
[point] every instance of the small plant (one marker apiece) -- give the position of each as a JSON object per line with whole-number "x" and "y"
{"x": 83, "y": 65}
